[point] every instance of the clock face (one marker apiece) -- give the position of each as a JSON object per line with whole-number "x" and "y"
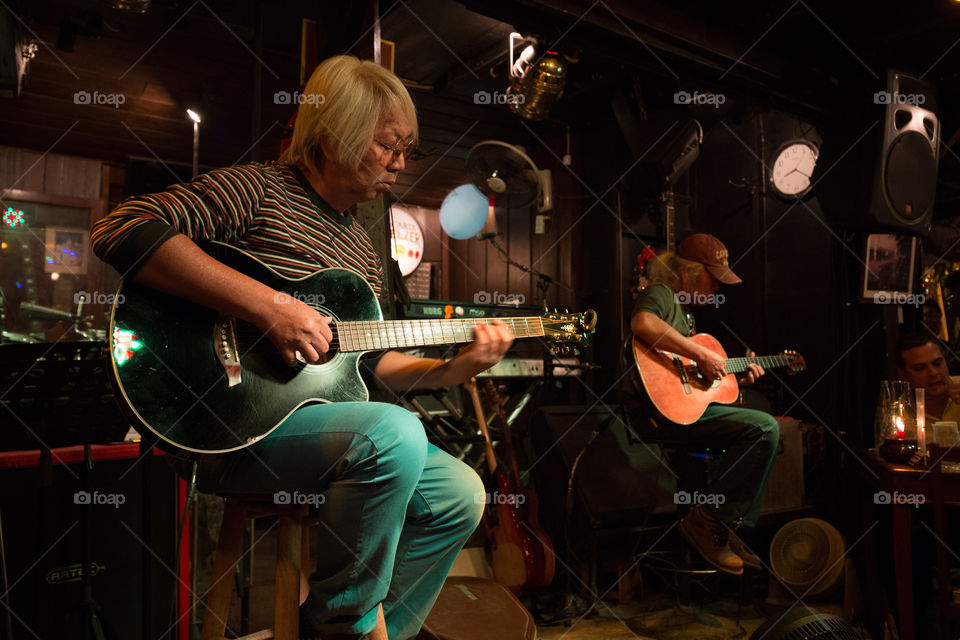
{"x": 793, "y": 167}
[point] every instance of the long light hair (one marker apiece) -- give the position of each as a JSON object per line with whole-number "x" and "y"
{"x": 668, "y": 268}
{"x": 339, "y": 110}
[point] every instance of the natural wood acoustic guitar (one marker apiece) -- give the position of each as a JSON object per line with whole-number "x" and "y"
{"x": 680, "y": 392}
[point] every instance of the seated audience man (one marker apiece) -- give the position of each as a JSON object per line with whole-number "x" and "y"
{"x": 662, "y": 318}
{"x": 922, "y": 362}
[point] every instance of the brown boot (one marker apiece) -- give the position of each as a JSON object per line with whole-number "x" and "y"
{"x": 709, "y": 537}
{"x": 750, "y": 559}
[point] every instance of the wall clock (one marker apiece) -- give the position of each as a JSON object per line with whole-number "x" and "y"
{"x": 792, "y": 167}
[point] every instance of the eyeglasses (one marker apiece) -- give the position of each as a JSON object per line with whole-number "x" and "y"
{"x": 400, "y": 147}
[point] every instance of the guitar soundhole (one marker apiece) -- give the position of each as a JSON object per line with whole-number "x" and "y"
{"x": 324, "y": 358}
{"x": 332, "y": 351}
{"x": 251, "y": 340}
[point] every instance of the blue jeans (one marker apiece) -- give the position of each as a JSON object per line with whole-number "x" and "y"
{"x": 743, "y": 444}
{"x": 395, "y": 510}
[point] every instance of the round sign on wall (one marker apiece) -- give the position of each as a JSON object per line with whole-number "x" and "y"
{"x": 406, "y": 239}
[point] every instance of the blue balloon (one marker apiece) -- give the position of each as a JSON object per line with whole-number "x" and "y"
{"x": 464, "y": 212}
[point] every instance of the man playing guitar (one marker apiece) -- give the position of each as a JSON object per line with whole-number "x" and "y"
{"x": 396, "y": 510}
{"x": 748, "y": 438}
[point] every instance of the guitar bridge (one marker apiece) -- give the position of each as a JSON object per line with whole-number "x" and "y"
{"x": 225, "y": 346}
{"x": 682, "y": 372}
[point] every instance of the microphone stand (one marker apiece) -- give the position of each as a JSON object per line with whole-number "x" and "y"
{"x": 543, "y": 280}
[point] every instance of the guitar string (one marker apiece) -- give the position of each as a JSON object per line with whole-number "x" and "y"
{"x": 738, "y": 365}
{"x": 400, "y": 333}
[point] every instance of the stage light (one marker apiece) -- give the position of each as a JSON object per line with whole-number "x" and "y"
{"x": 193, "y": 115}
{"x": 13, "y": 218}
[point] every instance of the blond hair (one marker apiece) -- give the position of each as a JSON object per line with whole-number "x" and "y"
{"x": 666, "y": 268}
{"x": 339, "y": 110}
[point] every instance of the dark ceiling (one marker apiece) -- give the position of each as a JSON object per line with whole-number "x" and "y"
{"x": 817, "y": 58}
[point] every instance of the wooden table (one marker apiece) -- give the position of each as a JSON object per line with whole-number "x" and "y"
{"x": 902, "y": 481}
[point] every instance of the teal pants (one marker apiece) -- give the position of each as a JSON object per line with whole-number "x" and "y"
{"x": 395, "y": 510}
{"x": 743, "y": 446}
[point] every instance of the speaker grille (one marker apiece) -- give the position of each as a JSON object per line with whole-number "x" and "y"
{"x": 910, "y": 176}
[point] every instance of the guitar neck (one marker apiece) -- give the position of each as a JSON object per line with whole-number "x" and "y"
{"x": 739, "y": 365}
{"x": 398, "y": 334}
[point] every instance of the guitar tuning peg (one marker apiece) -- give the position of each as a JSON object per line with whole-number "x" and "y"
{"x": 566, "y": 310}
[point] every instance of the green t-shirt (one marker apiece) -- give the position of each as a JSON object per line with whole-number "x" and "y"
{"x": 662, "y": 301}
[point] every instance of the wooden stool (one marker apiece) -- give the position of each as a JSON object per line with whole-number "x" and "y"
{"x": 293, "y": 556}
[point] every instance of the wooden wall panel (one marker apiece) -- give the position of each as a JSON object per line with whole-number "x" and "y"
{"x": 52, "y": 174}
{"x": 200, "y": 62}
{"x": 68, "y": 176}
{"x": 20, "y": 169}
{"x": 166, "y": 61}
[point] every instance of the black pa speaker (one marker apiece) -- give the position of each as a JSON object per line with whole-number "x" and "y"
{"x": 46, "y": 517}
{"x": 883, "y": 175}
{"x": 616, "y": 479}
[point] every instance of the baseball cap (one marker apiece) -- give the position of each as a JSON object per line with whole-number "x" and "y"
{"x": 710, "y": 252}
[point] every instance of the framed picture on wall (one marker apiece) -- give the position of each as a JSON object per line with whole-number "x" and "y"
{"x": 889, "y": 268}
{"x": 68, "y": 250}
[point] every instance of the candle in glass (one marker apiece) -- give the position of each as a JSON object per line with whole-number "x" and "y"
{"x": 921, "y": 420}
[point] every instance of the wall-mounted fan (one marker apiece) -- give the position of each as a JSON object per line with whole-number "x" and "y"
{"x": 506, "y": 172}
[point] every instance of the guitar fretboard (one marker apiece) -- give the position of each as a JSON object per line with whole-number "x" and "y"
{"x": 739, "y": 365}
{"x": 396, "y": 334}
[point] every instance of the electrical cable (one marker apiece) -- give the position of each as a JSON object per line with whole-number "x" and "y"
{"x": 191, "y": 490}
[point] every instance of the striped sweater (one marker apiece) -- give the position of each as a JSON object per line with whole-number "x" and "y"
{"x": 267, "y": 209}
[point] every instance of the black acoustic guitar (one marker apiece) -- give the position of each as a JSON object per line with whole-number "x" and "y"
{"x": 211, "y": 384}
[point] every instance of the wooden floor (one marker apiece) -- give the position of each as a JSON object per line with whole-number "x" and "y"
{"x": 655, "y": 619}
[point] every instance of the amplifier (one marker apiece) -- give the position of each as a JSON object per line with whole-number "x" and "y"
{"x": 448, "y": 309}
{"x": 48, "y": 514}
